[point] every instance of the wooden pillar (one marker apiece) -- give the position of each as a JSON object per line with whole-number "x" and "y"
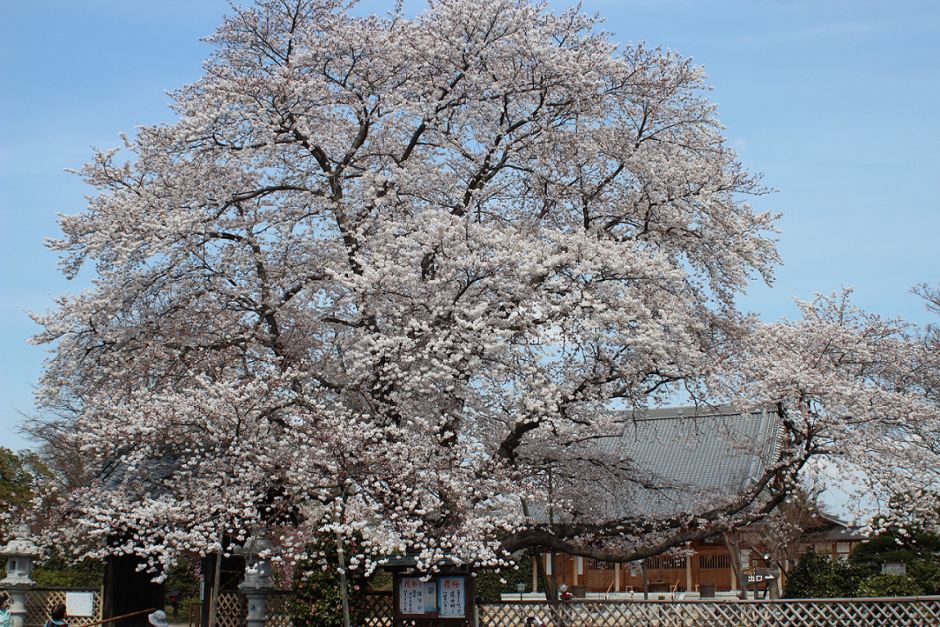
{"x": 535, "y": 572}
{"x": 232, "y": 571}
{"x": 617, "y": 577}
{"x": 688, "y": 573}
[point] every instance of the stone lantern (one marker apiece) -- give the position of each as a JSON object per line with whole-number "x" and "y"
{"x": 19, "y": 553}
{"x": 258, "y": 582}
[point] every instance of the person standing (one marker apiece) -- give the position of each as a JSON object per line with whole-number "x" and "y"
{"x": 58, "y": 617}
{"x": 6, "y": 616}
{"x": 157, "y": 619}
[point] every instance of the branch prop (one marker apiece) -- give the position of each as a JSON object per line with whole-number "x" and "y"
{"x": 109, "y": 620}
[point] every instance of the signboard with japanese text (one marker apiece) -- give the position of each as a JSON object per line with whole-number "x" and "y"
{"x": 416, "y": 597}
{"x": 760, "y": 575}
{"x": 80, "y": 604}
{"x": 453, "y": 596}
{"x": 445, "y": 598}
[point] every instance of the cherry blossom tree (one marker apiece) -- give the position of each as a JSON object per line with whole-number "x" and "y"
{"x": 911, "y": 494}
{"x": 853, "y": 388}
{"x": 385, "y": 272}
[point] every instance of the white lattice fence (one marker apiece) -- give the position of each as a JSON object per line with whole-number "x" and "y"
{"x": 277, "y": 610}
{"x": 232, "y": 610}
{"x": 381, "y": 610}
{"x": 890, "y": 612}
{"x": 41, "y": 600}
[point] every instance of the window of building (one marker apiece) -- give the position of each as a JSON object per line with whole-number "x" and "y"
{"x": 714, "y": 561}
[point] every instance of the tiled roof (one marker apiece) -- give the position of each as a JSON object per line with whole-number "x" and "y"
{"x": 832, "y": 529}
{"x": 716, "y": 448}
{"x": 143, "y": 474}
{"x": 680, "y": 457}
{"x": 660, "y": 463}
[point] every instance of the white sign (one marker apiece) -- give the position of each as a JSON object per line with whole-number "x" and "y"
{"x": 80, "y": 603}
{"x": 417, "y": 597}
{"x": 894, "y": 568}
{"x": 453, "y": 597}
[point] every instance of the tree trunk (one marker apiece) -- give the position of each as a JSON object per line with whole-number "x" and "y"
{"x": 734, "y": 553}
{"x": 344, "y": 591}
{"x": 781, "y": 566}
{"x": 646, "y": 583}
{"x": 214, "y": 599}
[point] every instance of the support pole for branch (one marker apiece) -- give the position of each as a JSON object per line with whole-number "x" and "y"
{"x": 542, "y": 577}
{"x": 108, "y": 620}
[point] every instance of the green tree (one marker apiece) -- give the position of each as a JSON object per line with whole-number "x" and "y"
{"x": 317, "y": 598}
{"x": 927, "y": 574}
{"x": 63, "y": 570}
{"x": 818, "y": 576}
{"x": 902, "y": 537}
{"x": 898, "y": 544}
{"x": 20, "y": 474}
{"x": 24, "y": 476}
{"x": 184, "y": 576}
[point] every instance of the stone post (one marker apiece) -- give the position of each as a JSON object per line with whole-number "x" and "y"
{"x": 19, "y": 554}
{"x": 258, "y": 582}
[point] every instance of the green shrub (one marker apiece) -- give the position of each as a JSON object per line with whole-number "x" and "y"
{"x": 817, "y": 576}
{"x": 909, "y": 543}
{"x": 926, "y": 574}
{"x": 888, "y": 585}
{"x": 490, "y": 585}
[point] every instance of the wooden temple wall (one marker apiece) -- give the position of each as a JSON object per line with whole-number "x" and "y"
{"x": 709, "y": 565}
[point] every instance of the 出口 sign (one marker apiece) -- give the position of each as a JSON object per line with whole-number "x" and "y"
{"x": 760, "y": 575}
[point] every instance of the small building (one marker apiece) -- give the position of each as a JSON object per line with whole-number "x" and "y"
{"x": 687, "y": 453}
{"x": 828, "y": 534}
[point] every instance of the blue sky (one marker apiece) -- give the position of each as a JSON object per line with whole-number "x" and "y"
{"x": 836, "y": 102}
